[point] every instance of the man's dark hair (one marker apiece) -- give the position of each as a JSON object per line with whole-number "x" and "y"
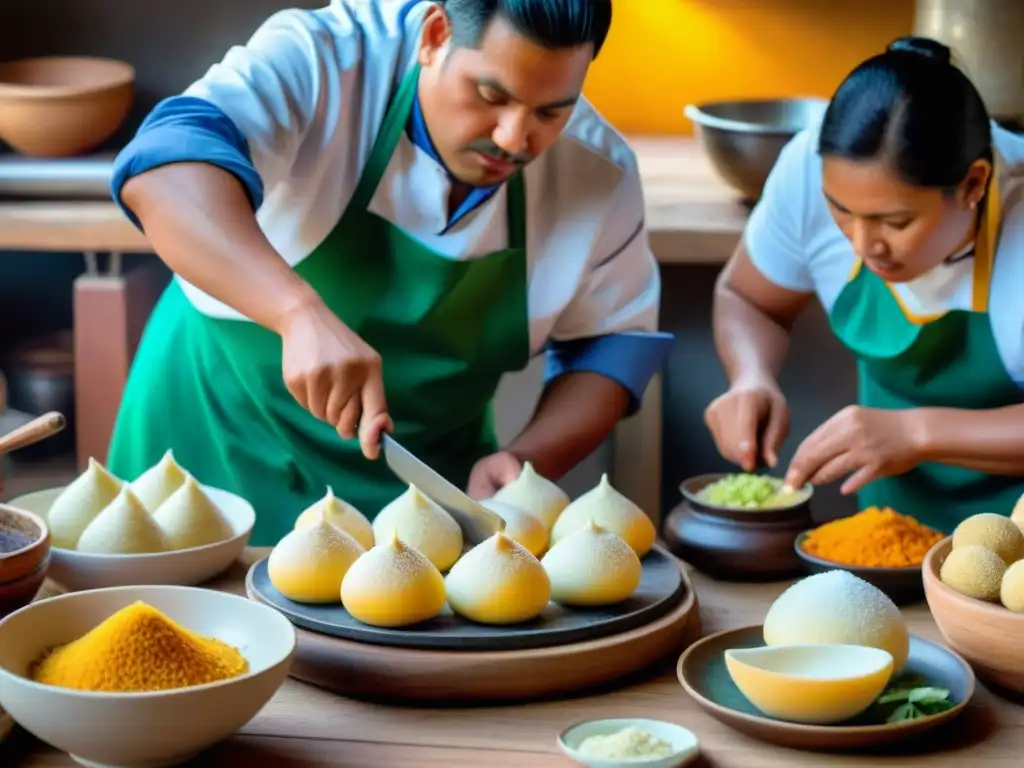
{"x": 553, "y": 24}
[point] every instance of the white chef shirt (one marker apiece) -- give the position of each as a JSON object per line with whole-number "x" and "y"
{"x": 308, "y": 93}
{"x": 793, "y": 241}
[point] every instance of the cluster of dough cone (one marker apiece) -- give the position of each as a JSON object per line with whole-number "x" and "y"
{"x": 389, "y": 573}
{"x": 165, "y": 509}
{"x": 987, "y": 559}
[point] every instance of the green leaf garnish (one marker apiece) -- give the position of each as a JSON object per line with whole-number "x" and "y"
{"x": 914, "y": 699}
{"x": 921, "y": 696}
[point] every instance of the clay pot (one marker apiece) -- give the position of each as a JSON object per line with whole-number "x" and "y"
{"x": 736, "y": 544}
{"x": 18, "y": 564}
{"x": 20, "y": 592}
{"x": 63, "y": 106}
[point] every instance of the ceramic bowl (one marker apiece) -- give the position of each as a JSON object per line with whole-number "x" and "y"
{"x": 813, "y": 684}
{"x": 19, "y": 563}
{"x": 58, "y": 106}
{"x": 987, "y": 635}
{"x": 185, "y": 567}
{"x": 142, "y": 729}
{"x": 685, "y": 746}
{"x": 903, "y": 585}
{"x": 737, "y": 544}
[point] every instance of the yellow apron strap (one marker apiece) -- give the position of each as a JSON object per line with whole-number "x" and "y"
{"x": 986, "y": 244}
{"x": 984, "y": 256}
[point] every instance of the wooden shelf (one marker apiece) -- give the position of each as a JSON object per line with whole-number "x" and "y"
{"x": 692, "y": 217}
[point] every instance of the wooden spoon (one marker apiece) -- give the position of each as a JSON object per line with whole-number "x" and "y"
{"x": 47, "y": 425}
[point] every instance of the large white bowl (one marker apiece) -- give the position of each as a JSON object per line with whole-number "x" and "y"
{"x": 75, "y": 570}
{"x": 142, "y": 729}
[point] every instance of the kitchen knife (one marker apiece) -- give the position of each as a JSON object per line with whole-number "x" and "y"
{"x": 477, "y": 522}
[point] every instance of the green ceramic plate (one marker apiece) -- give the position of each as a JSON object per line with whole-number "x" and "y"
{"x": 702, "y": 672}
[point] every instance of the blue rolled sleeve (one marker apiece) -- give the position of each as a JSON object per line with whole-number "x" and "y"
{"x": 629, "y": 359}
{"x": 186, "y": 129}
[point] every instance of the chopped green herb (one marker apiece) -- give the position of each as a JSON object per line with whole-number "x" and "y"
{"x": 749, "y": 491}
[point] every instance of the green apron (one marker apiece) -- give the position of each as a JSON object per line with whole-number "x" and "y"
{"x": 446, "y": 330}
{"x": 948, "y": 360}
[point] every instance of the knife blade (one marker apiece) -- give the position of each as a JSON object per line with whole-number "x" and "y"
{"x": 477, "y": 522}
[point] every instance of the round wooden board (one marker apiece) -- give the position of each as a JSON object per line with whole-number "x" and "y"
{"x": 660, "y": 588}
{"x": 418, "y": 676}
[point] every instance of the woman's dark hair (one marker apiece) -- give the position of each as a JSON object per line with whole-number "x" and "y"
{"x": 552, "y": 23}
{"x": 914, "y": 109}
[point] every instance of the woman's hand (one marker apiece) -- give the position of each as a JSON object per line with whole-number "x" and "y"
{"x": 736, "y": 420}
{"x": 335, "y": 375}
{"x": 864, "y": 443}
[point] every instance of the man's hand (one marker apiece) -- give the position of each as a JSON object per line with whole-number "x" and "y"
{"x": 864, "y": 443}
{"x": 335, "y": 375}
{"x": 491, "y": 474}
{"x": 736, "y": 418}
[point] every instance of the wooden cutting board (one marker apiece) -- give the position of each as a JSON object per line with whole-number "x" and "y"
{"x": 431, "y": 676}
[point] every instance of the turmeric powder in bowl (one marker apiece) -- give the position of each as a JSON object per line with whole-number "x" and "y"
{"x": 872, "y": 538}
{"x": 139, "y": 649}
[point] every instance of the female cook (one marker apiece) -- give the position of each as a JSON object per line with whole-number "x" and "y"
{"x": 434, "y": 203}
{"x": 903, "y": 211}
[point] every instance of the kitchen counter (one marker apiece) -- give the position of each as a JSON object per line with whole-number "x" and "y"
{"x": 303, "y": 725}
{"x": 692, "y": 216}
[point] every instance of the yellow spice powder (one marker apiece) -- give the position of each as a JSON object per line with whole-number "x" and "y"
{"x": 139, "y": 649}
{"x": 874, "y": 538}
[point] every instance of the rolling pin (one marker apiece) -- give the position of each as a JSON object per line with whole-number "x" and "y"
{"x": 47, "y": 425}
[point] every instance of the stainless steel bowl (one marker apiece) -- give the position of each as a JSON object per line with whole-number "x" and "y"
{"x": 743, "y": 139}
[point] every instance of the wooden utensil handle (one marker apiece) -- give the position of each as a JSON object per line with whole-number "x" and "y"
{"x": 40, "y": 428}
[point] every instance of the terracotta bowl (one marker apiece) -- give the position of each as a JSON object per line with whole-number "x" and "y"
{"x": 902, "y": 584}
{"x": 22, "y": 591}
{"x": 63, "y": 106}
{"x": 987, "y": 635}
{"x": 737, "y": 544}
{"x": 21, "y": 562}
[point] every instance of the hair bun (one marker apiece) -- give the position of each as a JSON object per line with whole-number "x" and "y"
{"x": 923, "y": 46}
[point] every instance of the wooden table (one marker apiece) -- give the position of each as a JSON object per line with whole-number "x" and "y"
{"x": 304, "y": 726}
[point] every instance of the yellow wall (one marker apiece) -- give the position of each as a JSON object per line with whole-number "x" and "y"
{"x": 663, "y": 54}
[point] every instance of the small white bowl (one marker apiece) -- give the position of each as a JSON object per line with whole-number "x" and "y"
{"x": 131, "y": 730}
{"x": 685, "y": 746}
{"x": 75, "y": 570}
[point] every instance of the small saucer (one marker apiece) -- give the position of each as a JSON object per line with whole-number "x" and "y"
{"x": 685, "y": 746}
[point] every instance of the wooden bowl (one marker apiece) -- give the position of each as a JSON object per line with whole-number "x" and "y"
{"x": 62, "y": 106}
{"x": 987, "y": 635}
{"x": 21, "y": 562}
{"x": 22, "y": 591}
{"x": 736, "y": 544}
{"x": 903, "y": 585}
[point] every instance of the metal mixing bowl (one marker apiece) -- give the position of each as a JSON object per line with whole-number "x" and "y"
{"x": 743, "y": 139}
